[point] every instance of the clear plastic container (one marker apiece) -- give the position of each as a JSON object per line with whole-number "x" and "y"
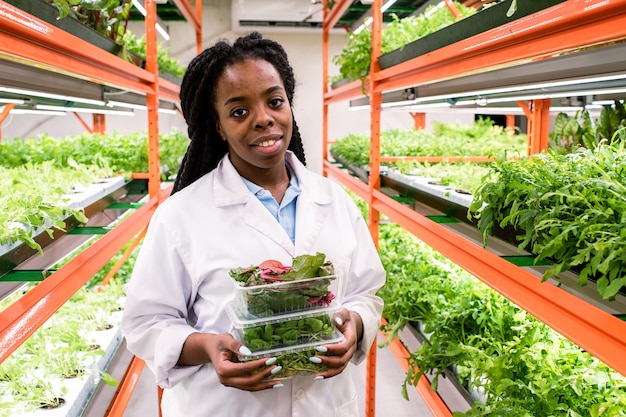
{"x": 295, "y": 359}
{"x": 287, "y": 297}
{"x": 284, "y": 330}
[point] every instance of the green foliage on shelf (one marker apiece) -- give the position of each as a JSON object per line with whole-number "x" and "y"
{"x": 66, "y": 347}
{"x": 569, "y": 209}
{"x": 37, "y": 176}
{"x": 34, "y": 198}
{"x": 108, "y": 17}
{"x": 482, "y": 138}
{"x": 165, "y": 62}
{"x": 355, "y": 59}
{"x": 511, "y": 363}
{"x": 123, "y": 153}
{"x": 570, "y": 133}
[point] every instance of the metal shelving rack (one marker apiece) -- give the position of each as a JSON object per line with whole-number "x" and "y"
{"x": 33, "y": 45}
{"x": 565, "y": 29}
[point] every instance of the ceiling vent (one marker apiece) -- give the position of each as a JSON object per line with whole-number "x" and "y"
{"x": 277, "y": 15}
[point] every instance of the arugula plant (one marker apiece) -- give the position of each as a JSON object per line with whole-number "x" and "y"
{"x": 512, "y": 364}
{"x": 568, "y": 209}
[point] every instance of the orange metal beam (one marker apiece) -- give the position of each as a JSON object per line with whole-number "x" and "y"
{"x": 345, "y": 92}
{"x": 374, "y": 182}
{"x": 4, "y": 114}
{"x": 452, "y": 7}
{"x": 436, "y": 159}
{"x": 22, "y": 318}
{"x": 126, "y": 388}
{"x": 325, "y": 88}
{"x": 568, "y": 26}
{"x": 25, "y": 38}
{"x": 118, "y": 264}
{"x": 83, "y": 122}
{"x": 596, "y": 331}
{"x": 193, "y": 18}
{"x": 357, "y": 186}
{"x": 339, "y": 8}
{"x": 199, "y": 27}
{"x": 99, "y": 123}
{"x": 152, "y": 101}
{"x": 431, "y": 398}
{"x": 419, "y": 120}
{"x": 538, "y": 125}
{"x": 168, "y": 90}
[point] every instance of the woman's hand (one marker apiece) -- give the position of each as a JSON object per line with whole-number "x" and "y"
{"x": 222, "y": 351}
{"x": 337, "y": 356}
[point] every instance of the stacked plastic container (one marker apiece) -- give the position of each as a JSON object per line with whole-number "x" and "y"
{"x": 288, "y": 320}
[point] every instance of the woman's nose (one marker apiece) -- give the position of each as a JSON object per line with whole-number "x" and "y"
{"x": 264, "y": 119}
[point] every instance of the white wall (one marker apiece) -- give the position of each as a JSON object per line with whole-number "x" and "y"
{"x": 305, "y": 52}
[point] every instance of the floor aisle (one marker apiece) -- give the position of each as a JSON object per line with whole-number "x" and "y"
{"x": 389, "y": 401}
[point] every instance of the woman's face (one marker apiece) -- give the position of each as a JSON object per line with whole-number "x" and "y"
{"x": 254, "y": 116}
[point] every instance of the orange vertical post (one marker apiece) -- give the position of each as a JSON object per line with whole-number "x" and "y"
{"x": 452, "y": 7}
{"x": 152, "y": 101}
{"x": 510, "y": 124}
{"x": 199, "y": 29}
{"x": 99, "y": 123}
{"x": 419, "y": 120}
{"x": 374, "y": 182}
{"x": 538, "y": 125}
{"x": 325, "y": 62}
{"x": 4, "y": 114}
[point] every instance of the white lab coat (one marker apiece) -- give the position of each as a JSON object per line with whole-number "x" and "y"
{"x": 180, "y": 285}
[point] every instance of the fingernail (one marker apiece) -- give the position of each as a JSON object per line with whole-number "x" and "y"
{"x": 245, "y": 351}
{"x": 322, "y": 349}
{"x": 338, "y": 321}
{"x": 277, "y": 386}
{"x": 276, "y": 370}
{"x": 315, "y": 359}
{"x": 270, "y": 361}
{"x": 318, "y": 378}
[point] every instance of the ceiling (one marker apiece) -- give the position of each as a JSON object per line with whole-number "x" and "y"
{"x": 296, "y": 14}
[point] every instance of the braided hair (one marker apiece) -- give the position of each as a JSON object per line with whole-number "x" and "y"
{"x": 197, "y": 95}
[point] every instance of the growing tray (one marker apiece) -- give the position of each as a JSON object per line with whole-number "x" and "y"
{"x": 482, "y": 21}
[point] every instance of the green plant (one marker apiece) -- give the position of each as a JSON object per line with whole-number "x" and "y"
{"x": 108, "y": 17}
{"x": 165, "y": 62}
{"x": 355, "y": 59}
{"x": 513, "y": 364}
{"x": 570, "y": 133}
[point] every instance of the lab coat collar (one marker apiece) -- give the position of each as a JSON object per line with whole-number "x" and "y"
{"x": 313, "y": 205}
{"x": 229, "y": 189}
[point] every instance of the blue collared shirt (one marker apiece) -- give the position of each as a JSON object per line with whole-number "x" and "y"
{"x": 285, "y": 213}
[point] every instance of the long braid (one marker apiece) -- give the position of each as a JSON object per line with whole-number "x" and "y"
{"x": 197, "y": 96}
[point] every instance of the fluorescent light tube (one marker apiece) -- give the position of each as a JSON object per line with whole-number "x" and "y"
{"x": 52, "y": 96}
{"x": 84, "y": 110}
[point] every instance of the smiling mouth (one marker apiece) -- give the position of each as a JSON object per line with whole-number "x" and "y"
{"x": 267, "y": 143}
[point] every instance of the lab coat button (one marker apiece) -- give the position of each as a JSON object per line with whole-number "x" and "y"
{"x": 299, "y": 394}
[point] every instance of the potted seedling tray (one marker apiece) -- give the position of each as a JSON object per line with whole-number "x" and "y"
{"x": 486, "y": 19}
{"x": 284, "y": 330}
{"x": 271, "y": 288}
{"x": 294, "y": 360}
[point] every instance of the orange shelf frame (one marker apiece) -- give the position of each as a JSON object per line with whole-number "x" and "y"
{"x": 566, "y": 27}
{"x": 30, "y": 41}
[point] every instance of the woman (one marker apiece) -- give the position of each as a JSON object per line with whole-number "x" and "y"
{"x": 242, "y": 196}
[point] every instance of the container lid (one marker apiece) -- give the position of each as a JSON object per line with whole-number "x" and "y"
{"x": 241, "y": 320}
{"x": 336, "y": 338}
